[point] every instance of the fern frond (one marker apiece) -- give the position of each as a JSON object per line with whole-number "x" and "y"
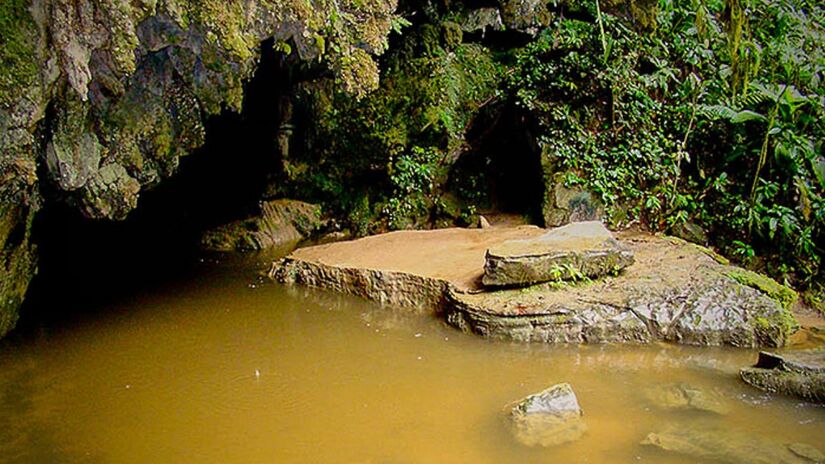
{"x": 716, "y": 111}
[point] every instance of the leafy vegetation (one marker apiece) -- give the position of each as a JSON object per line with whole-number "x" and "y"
{"x": 383, "y": 159}
{"x": 703, "y": 111}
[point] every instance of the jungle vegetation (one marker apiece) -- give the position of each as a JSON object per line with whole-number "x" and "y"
{"x": 708, "y": 113}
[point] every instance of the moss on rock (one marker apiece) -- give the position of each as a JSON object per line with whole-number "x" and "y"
{"x": 776, "y": 291}
{"x": 18, "y": 36}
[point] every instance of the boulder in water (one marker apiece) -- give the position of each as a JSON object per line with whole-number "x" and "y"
{"x": 548, "y": 418}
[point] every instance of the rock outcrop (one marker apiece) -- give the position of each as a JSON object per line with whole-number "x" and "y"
{"x": 278, "y": 224}
{"x": 18, "y": 262}
{"x": 99, "y": 100}
{"x": 797, "y": 373}
{"x": 676, "y": 291}
{"x": 550, "y": 417}
{"x": 576, "y": 251}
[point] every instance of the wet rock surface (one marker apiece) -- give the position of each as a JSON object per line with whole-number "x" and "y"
{"x": 572, "y": 252}
{"x": 550, "y": 417}
{"x": 796, "y": 373}
{"x": 723, "y": 445}
{"x": 279, "y": 223}
{"x": 676, "y": 291}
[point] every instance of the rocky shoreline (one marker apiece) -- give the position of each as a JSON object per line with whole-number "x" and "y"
{"x": 675, "y": 291}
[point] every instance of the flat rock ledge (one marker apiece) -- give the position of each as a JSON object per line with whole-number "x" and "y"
{"x": 796, "y": 373}
{"x": 572, "y": 252}
{"x": 676, "y": 291}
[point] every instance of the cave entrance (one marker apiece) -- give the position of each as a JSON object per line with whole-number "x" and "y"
{"x": 84, "y": 263}
{"x": 502, "y": 172}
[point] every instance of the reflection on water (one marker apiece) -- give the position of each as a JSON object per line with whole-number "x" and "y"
{"x": 223, "y": 368}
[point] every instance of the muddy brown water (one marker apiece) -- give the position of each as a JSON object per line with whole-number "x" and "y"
{"x": 224, "y": 368}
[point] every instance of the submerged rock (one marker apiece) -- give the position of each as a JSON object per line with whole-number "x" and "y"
{"x": 722, "y": 445}
{"x": 807, "y": 451}
{"x": 279, "y": 223}
{"x": 799, "y": 373}
{"x": 571, "y": 252}
{"x": 548, "y": 418}
{"x": 684, "y": 396}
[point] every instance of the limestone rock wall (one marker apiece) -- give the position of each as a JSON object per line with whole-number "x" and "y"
{"x": 99, "y": 99}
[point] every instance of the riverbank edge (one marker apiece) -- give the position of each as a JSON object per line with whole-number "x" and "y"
{"x": 446, "y": 300}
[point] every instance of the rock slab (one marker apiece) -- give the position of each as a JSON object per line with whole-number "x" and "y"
{"x": 548, "y": 418}
{"x": 796, "y": 373}
{"x": 278, "y": 223}
{"x": 675, "y": 291}
{"x": 575, "y": 251}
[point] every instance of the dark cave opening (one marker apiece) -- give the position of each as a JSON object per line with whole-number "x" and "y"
{"x": 84, "y": 263}
{"x": 502, "y": 171}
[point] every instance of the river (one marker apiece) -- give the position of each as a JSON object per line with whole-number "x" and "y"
{"x": 222, "y": 367}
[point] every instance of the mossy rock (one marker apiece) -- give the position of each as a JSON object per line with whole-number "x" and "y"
{"x": 18, "y": 57}
{"x": 18, "y": 259}
{"x": 783, "y": 295}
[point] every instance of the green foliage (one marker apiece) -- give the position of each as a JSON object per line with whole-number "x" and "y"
{"x": 396, "y": 143}
{"x": 713, "y": 112}
{"x": 604, "y": 117}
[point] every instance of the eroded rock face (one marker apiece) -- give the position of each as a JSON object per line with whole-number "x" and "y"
{"x": 279, "y": 224}
{"x": 101, "y": 99}
{"x": 572, "y": 252}
{"x": 564, "y": 204}
{"x": 723, "y": 445}
{"x": 18, "y": 262}
{"x": 550, "y": 417}
{"x": 797, "y": 373}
